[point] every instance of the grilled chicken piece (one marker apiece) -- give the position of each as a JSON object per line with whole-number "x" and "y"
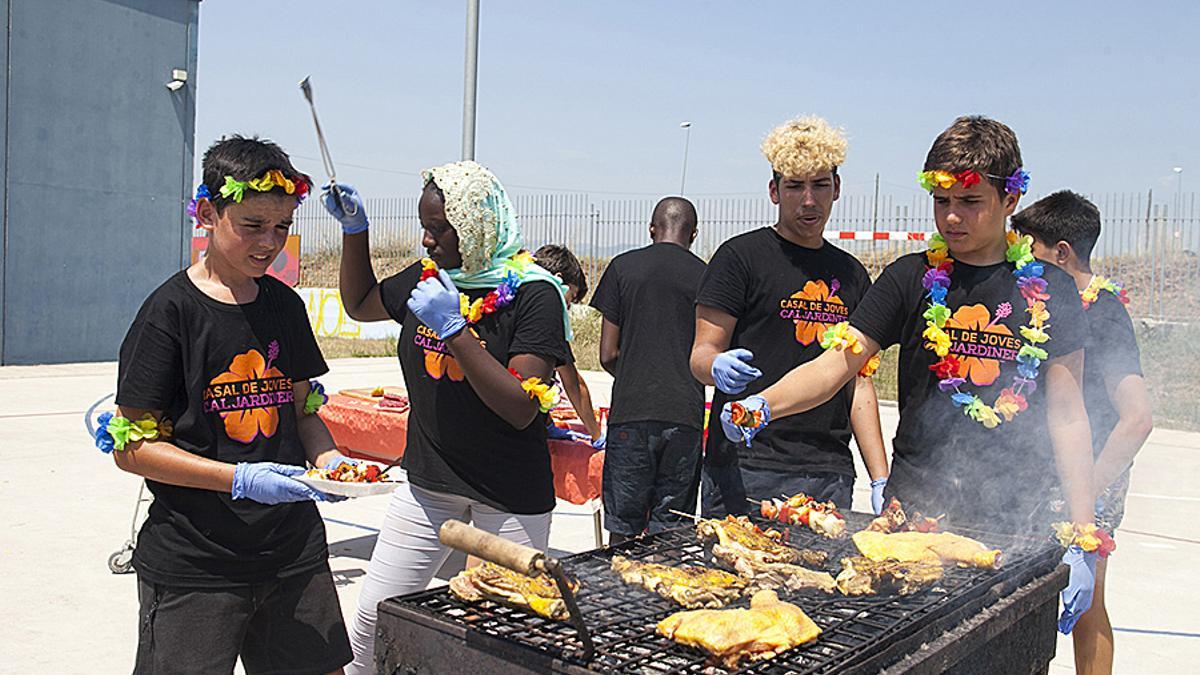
{"x": 934, "y": 547}
{"x": 737, "y": 538}
{"x": 773, "y": 576}
{"x": 893, "y": 519}
{"x": 769, "y": 627}
{"x": 863, "y": 576}
{"x": 692, "y": 586}
{"x": 500, "y": 584}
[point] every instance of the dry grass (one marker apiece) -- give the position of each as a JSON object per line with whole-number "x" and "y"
{"x": 1170, "y": 351}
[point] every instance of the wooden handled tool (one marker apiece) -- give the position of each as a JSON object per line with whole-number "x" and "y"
{"x": 487, "y": 546}
{"x": 518, "y": 558}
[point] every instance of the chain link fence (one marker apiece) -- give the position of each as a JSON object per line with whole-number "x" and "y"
{"x": 1149, "y": 243}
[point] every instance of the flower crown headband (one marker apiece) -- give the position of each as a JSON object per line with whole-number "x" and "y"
{"x": 1017, "y": 183}
{"x": 236, "y": 189}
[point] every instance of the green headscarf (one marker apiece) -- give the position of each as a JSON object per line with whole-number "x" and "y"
{"x": 479, "y": 210}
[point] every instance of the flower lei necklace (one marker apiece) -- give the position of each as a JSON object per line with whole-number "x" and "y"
{"x": 1099, "y": 283}
{"x": 497, "y": 299}
{"x": 936, "y": 281}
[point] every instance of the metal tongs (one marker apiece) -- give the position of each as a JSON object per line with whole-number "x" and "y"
{"x": 350, "y": 209}
{"x": 521, "y": 559}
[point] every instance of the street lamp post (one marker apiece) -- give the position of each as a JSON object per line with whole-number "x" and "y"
{"x": 1179, "y": 179}
{"x": 687, "y": 139}
{"x": 470, "y": 75}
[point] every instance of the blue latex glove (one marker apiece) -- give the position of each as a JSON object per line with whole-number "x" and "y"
{"x": 338, "y": 461}
{"x": 557, "y": 433}
{"x": 599, "y": 443}
{"x": 741, "y": 434}
{"x": 350, "y": 224}
{"x": 731, "y": 370}
{"x": 1077, "y": 596}
{"x": 435, "y": 302}
{"x": 271, "y": 483}
{"x": 877, "y": 486}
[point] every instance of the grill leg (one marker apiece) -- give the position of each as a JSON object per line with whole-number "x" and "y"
{"x": 596, "y": 524}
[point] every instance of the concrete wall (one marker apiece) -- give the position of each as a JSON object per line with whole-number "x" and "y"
{"x": 97, "y": 169}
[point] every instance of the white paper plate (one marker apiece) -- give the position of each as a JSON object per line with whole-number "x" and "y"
{"x": 333, "y": 487}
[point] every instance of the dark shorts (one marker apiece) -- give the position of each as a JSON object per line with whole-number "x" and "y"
{"x": 727, "y": 490}
{"x": 291, "y": 625}
{"x": 650, "y": 469}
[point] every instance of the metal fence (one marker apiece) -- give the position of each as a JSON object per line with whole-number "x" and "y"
{"x": 1150, "y": 243}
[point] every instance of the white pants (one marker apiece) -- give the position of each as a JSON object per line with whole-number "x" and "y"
{"x": 408, "y": 553}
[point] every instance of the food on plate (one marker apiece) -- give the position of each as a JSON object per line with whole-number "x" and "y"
{"x": 488, "y": 581}
{"x": 893, "y": 519}
{"x": 737, "y": 538}
{"x": 935, "y": 547}
{"x": 393, "y": 402}
{"x": 349, "y": 472}
{"x": 773, "y": 576}
{"x": 863, "y": 576}
{"x": 692, "y": 586}
{"x": 768, "y": 627}
{"x": 800, "y": 509}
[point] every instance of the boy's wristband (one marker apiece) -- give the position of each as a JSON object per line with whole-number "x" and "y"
{"x": 114, "y": 432}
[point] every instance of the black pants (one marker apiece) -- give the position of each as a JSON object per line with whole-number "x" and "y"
{"x": 650, "y": 470}
{"x": 291, "y": 625}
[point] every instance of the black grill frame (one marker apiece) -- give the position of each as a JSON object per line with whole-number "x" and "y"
{"x": 859, "y": 634}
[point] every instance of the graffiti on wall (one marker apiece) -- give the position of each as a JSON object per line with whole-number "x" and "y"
{"x": 329, "y": 319}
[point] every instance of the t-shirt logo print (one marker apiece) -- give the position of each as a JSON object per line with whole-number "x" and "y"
{"x": 248, "y": 395}
{"x": 438, "y": 363}
{"x": 981, "y": 342}
{"x": 813, "y": 309}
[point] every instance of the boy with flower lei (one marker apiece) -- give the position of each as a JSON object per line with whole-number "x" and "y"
{"x": 1065, "y": 227}
{"x": 215, "y": 412}
{"x": 991, "y": 358}
{"x": 482, "y": 329}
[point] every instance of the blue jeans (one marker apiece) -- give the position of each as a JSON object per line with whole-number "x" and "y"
{"x": 727, "y": 490}
{"x": 650, "y": 469}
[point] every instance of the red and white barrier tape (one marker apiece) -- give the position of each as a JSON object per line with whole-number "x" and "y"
{"x": 867, "y": 235}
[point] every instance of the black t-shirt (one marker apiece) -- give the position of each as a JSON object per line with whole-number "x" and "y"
{"x": 1111, "y": 353}
{"x": 943, "y": 461}
{"x": 456, "y": 444}
{"x": 650, "y": 293}
{"x": 784, "y": 296}
{"x": 223, "y": 374}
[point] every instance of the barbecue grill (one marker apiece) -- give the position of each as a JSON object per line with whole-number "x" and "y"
{"x": 973, "y": 620}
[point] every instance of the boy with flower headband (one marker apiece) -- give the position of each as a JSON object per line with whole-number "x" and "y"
{"x": 1065, "y": 227}
{"x": 483, "y": 328}
{"x": 991, "y": 360}
{"x": 764, "y": 304}
{"x": 215, "y": 411}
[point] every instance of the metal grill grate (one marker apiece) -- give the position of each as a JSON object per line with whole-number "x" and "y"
{"x": 622, "y": 618}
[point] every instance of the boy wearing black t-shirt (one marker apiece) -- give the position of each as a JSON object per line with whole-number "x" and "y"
{"x": 652, "y": 464}
{"x": 763, "y": 307}
{"x": 559, "y": 260}
{"x": 1065, "y": 227}
{"x": 991, "y": 360}
{"x": 232, "y": 560}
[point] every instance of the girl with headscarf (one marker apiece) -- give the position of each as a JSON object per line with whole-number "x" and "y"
{"x": 483, "y": 327}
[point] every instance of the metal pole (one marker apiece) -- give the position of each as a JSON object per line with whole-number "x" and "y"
{"x": 687, "y": 138}
{"x": 470, "y": 80}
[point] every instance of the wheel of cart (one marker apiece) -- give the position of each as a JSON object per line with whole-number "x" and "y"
{"x": 121, "y": 561}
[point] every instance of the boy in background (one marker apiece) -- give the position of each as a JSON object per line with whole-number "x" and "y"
{"x": 1065, "y": 227}
{"x": 561, "y": 261}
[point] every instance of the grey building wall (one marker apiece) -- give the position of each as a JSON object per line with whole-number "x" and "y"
{"x": 97, "y": 169}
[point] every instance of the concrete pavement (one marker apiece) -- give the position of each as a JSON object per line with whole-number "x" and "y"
{"x": 67, "y": 508}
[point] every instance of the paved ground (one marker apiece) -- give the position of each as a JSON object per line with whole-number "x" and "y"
{"x": 67, "y": 508}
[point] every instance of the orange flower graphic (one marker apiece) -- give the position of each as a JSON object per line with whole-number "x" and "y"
{"x": 244, "y": 425}
{"x": 438, "y": 365}
{"x": 982, "y": 372}
{"x": 815, "y": 293}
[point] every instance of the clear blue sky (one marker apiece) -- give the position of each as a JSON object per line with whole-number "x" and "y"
{"x": 588, "y": 96}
